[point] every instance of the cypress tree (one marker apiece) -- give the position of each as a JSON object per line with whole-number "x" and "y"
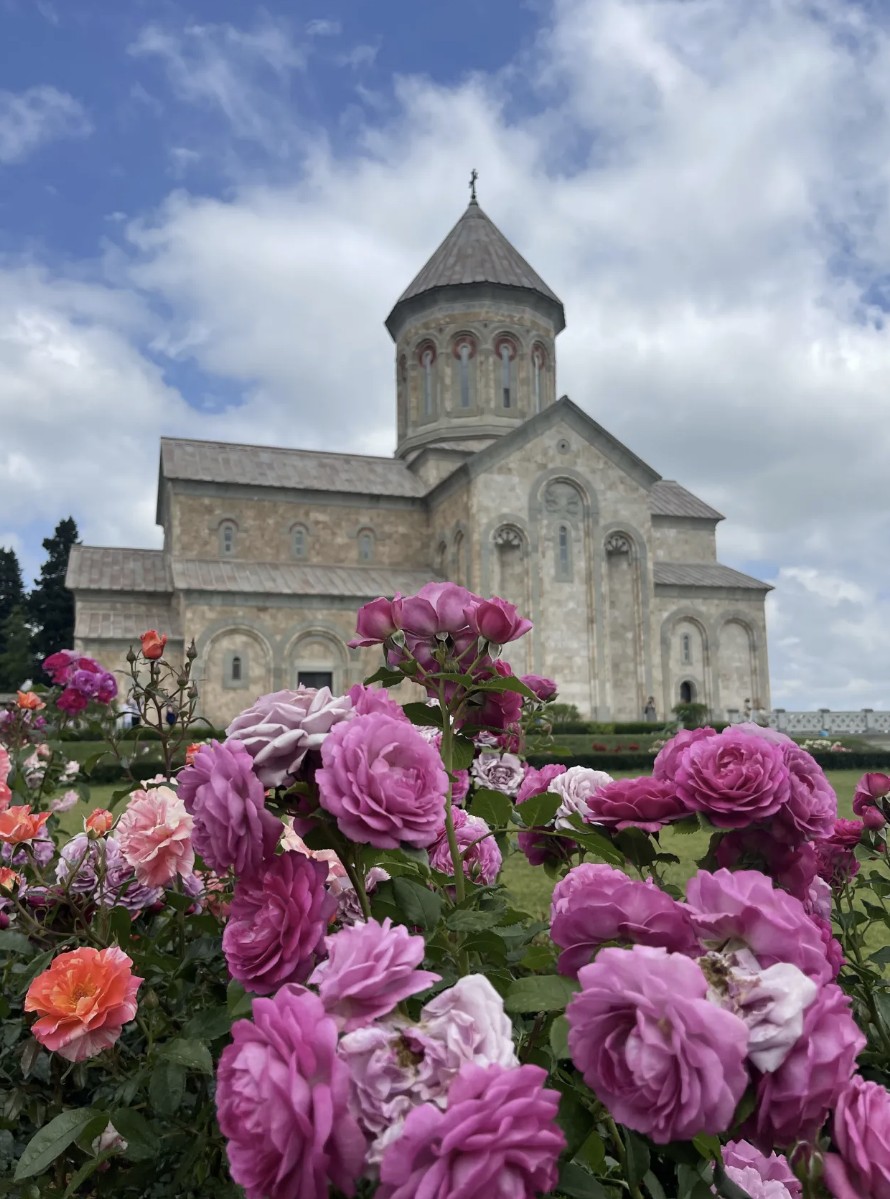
{"x": 51, "y": 604}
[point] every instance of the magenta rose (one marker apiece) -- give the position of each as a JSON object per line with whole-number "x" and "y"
{"x": 493, "y": 710}
{"x": 542, "y": 688}
{"x": 791, "y": 867}
{"x": 383, "y": 783}
{"x": 734, "y": 779}
{"x": 647, "y": 803}
{"x": 479, "y": 851}
{"x": 870, "y": 789}
{"x": 672, "y": 754}
{"x": 812, "y": 803}
{"x": 375, "y": 622}
{"x": 61, "y": 665}
{"x": 497, "y": 1136}
{"x": 365, "y": 700}
{"x": 861, "y": 1133}
{"x": 741, "y": 1156}
{"x": 496, "y": 620}
{"x": 280, "y": 729}
{"x": 744, "y": 906}
{"x": 663, "y": 1059}
{"x": 277, "y": 923}
{"x": 595, "y": 903}
{"x": 282, "y": 1101}
{"x": 794, "y": 1100}
{"x": 369, "y": 969}
{"x": 227, "y": 802}
{"x": 537, "y": 844}
{"x": 436, "y": 608}
{"x": 538, "y": 779}
{"x": 836, "y": 860}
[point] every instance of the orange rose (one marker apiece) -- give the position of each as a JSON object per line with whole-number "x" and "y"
{"x": 19, "y": 824}
{"x": 31, "y": 701}
{"x": 84, "y": 999}
{"x": 153, "y": 644}
{"x": 98, "y": 822}
{"x": 192, "y": 750}
{"x": 8, "y": 878}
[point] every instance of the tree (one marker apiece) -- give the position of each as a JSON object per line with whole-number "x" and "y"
{"x": 51, "y": 604}
{"x": 12, "y": 591}
{"x": 16, "y": 657}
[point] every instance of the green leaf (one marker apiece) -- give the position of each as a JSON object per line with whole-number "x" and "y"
{"x": 493, "y": 807}
{"x": 213, "y": 1022}
{"x": 539, "y": 958}
{"x": 637, "y": 1152}
{"x": 709, "y": 1147}
{"x": 575, "y": 1182}
{"x": 691, "y": 1185}
{"x": 506, "y": 683}
{"x": 418, "y": 905}
{"x": 462, "y": 753}
{"x": 687, "y": 826}
{"x": 13, "y": 942}
{"x": 386, "y": 677}
{"x": 559, "y": 1039}
{"x": 55, "y": 1137}
{"x": 121, "y": 924}
{"x": 89, "y": 1167}
{"x": 636, "y": 846}
{"x": 238, "y": 1002}
{"x": 192, "y": 1054}
{"x": 424, "y": 714}
{"x": 593, "y": 1153}
{"x": 653, "y": 1186}
{"x": 540, "y": 993}
{"x": 141, "y": 1138}
{"x": 539, "y": 810}
{"x": 593, "y": 842}
{"x": 463, "y": 920}
{"x": 166, "y": 1088}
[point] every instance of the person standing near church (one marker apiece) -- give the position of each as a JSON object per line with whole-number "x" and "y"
{"x": 649, "y": 710}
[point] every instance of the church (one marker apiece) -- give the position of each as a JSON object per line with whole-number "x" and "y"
{"x": 496, "y": 483}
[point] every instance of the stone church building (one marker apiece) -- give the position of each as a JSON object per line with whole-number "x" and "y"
{"x": 496, "y": 483}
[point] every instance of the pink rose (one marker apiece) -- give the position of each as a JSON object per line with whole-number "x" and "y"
{"x": 498, "y": 1136}
{"x": 374, "y": 623}
{"x": 792, "y": 1103}
{"x": 835, "y": 857}
{"x": 155, "y": 836}
{"x": 277, "y": 923}
{"x": 282, "y": 1100}
{"x": 496, "y": 620}
{"x": 741, "y": 1155}
{"x": 672, "y": 754}
{"x": 436, "y": 608}
{"x": 383, "y": 783}
{"x": 861, "y": 1132}
{"x": 543, "y": 689}
{"x": 663, "y": 1059}
{"x": 478, "y": 849}
{"x": 744, "y": 906}
{"x": 538, "y": 779}
{"x": 369, "y": 969}
{"x": 280, "y": 729}
{"x": 374, "y": 699}
{"x": 791, "y": 867}
{"x": 646, "y": 803}
{"x": 596, "y": 903}
{"x": 733, "y": 778}
{"x": 870, "y": 789}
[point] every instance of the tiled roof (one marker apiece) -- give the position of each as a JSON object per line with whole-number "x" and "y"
{"x": 475, "y": 251}
{"x": 125, "y": 623}
{"x": 668, "y": 498}
{"x": 705, "y": 574}
{"x": 103, "y": 568}
{"x": 277, "y": 578}
{"x": 302, "y": 470}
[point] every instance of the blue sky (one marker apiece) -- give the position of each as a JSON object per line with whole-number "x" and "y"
{"x": 207, "y": 210}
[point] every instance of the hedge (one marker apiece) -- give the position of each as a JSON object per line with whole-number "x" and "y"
{"x": 596, "y": 728}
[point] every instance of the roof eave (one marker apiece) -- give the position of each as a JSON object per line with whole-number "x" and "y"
{"x": 404, "y": 309}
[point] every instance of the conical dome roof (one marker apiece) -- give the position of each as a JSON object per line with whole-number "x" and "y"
{"x": 475, "y": 251}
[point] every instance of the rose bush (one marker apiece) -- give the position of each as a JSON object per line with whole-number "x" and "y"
{"x": 290, "y": 967}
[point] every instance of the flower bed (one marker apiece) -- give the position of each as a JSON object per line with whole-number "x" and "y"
{"x": 285, "y": 965}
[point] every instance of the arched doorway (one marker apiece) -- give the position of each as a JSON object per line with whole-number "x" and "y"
{"x": 687, "y": 692}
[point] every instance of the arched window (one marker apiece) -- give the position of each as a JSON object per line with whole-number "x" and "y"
{"x": 539, "y": 361}
{"x": 227, "y": 538}
{"x": 235, "y": 672}
{"x": 236, "y": 669}
{"x": 686, "y": 646}
{"x": 465, "y": 352}
{"x": 365, "y": 546}
{"x": 300, "y": 541}
{"x": 505, "y": 347}
{"x": 687, "y": 692}
{"x": 426, "y": 356}
{"x": 564, "y": 552}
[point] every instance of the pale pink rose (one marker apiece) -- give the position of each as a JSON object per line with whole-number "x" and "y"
{"x": 64, "y": 802}
{"x": 293, "y": 842}
{"x": 575, "y": 786}
{"x": 155, "y": 836}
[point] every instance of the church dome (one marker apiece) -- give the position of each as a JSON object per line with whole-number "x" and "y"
{"x": 475, "y": 335}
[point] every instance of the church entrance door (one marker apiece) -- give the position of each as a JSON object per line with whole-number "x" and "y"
{"x": 315, "y": 678}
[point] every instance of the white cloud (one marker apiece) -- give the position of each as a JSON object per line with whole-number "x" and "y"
{"x": 703, "y": 184}
{"x": 30, "y": 119}
{"x": 322, "y": 27}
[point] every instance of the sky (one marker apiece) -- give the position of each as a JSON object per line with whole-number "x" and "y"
{"x": 208, "y": 209}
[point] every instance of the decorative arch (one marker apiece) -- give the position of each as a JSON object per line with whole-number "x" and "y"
{"x": 227, "y": 535}
{"x": 316, "y": 650}
{"x": 299, "y": 540}
{"x": 234, "y": 656}
{"x": 737, "y": 665}
{"x": 699, "y": 673}
{"x": 540, "y": 389}
{"x": 426, "y": 354}
{"x": 465, "y": 351}
{"x": 506, "y": 349}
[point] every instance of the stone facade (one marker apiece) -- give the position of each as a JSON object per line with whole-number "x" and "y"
{"x": 495, "y": 484}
